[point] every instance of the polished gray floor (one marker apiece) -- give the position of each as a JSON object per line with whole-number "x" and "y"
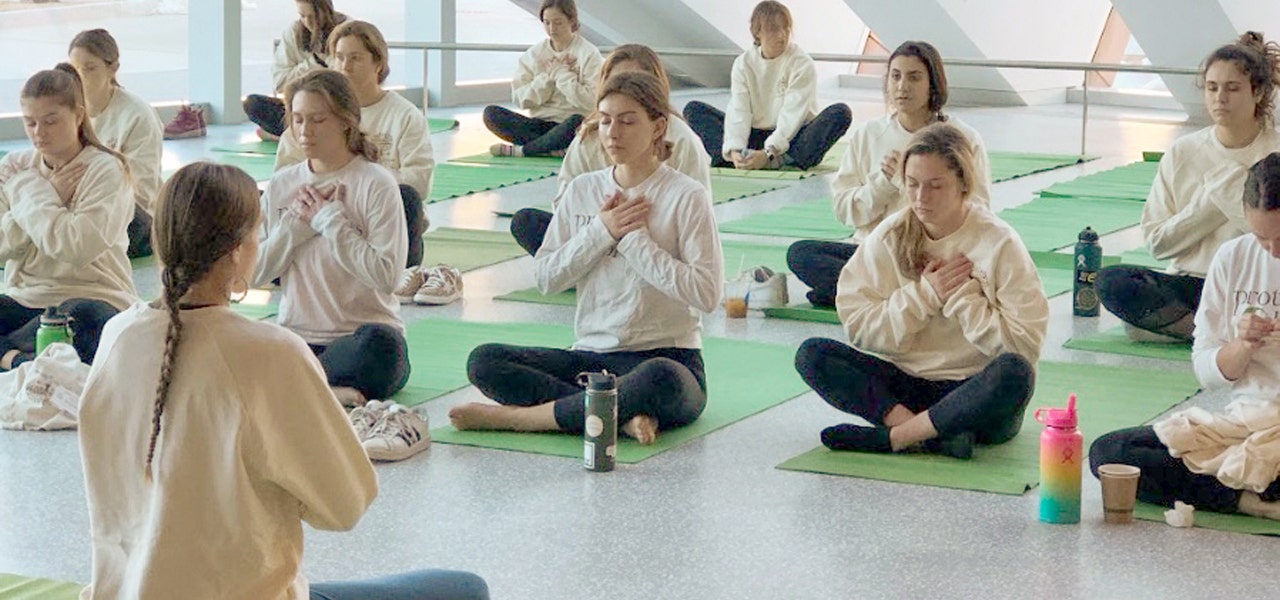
{"x": 713, "y": 518}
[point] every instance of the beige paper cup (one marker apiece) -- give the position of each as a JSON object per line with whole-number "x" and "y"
{"x": 1119, "y": 491}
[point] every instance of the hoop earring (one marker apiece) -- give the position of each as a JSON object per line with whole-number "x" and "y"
{"x": 241, "y": 287}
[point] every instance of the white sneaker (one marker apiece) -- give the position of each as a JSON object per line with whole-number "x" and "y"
{"x": 363, "y": 418}
{"x": 765, "y": 288}
{"x": 399, "y": 434}
{"x": 411, "y": 280}
{"x": 443, "y": 285}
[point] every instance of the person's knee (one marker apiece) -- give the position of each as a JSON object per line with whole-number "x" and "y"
{"x": 666, "y": 376}
{"x": 694, "y": 110}
{"x": 1015, "y": 376}
{"x": 800, "y": 254}
{"x": 1105, "y": 450}
{"x": 840, "y": 114}
{"x": 492, "y": 115}
{"x": 87, "y": 314}
{"x": 482, "y": 361}
{"x": 809, "y": 354}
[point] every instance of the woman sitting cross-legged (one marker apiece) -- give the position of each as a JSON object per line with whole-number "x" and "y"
{"x": 945, "y": 313}
{"x": 639, "y": 242}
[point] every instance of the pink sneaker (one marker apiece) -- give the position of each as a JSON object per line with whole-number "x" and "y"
{"x": 188, "y": 123}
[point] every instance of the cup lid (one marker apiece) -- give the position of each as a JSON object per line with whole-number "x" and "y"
{"x": 1061, "y": 418}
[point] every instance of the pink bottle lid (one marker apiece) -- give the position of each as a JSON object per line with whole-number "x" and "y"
{"x": 1060, "y": 418}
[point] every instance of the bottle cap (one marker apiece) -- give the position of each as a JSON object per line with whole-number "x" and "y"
{"x": 1060, "y": 418}
{"x": 52, "y": 317}
{"x": 602, "y": 381}
{"x": 1088, "y": 235}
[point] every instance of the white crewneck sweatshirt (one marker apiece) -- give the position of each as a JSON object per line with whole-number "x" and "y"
{"x": 398, "y": 129}
{"x": 646, "y": 291}
{"x": 863, "y": 197}
{"x": 131, "y": 127}
{"x": 1195, "y": 202}
{"x": 290, "y": 60}
{"x": 901, "y": 319}
{"x": 779, "y": 93}
{"x": 551, "y": 90}
{"x": 688, "y": 156}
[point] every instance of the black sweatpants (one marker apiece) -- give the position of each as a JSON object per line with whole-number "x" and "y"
{"x": 818, "y": 265}
{"x": 1164, "y": 478}
{"x": 374, "y": 360}
{"x": 18, "y": 326}
{"x": 534, "y": 136}
{"x": 668, "y": 384}
{"x": 529, "y": 228}
{"x": 415, "y": 217}
{"x": 808, "y": 147}
{"x": 990, "y": 404}
{"x": 1149, "y": 299}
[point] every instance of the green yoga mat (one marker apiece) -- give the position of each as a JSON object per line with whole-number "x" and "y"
{"x": 810, "y": 220}
{"x": 1110, "y": 398}
{"x": 1050, "y": 223}
{"x": 1152, "y": 156}
{"x": 804, "y": 312}
{"x": 743, "y": 378}
{"x": 1057, "y": 271}
{"x": 1011, "y": 165}
{"x": 451, "y": 180}
{"x": 438, "y": 351}
{"x": 468, "y": 249}
{"x": 256, "y": 311}
{"x": 1114, "y": 341}
{"x": 1142, "y": 258}
{"x": 1128, "y": 182}
{"x": 17, "y": 587}
{"x": 1210, "y": 520}
{"x": 747, "y": 254}
{"x": 262, "y": 147}
{"x": 441, "y": 125}
{"x": 548, "y": 162}
{"x": 788, "y": 174}
{"x": 725, "y": 189}
{"x": 259, "y": 167}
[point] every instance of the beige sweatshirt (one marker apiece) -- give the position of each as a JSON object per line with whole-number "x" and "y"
{"x": 131, "y": 127}
{"x": 779, "y": 93}
{"x": 54, "y": 252}
{"x": 551, "y": 90}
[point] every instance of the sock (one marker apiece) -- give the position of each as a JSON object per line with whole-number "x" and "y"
{"x": 959, "y": 445}
{"x": 853, "y": 437}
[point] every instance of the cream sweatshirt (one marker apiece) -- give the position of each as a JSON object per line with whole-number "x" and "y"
{"x": 901, "y": 319}
{"x": 646, "y": 291}
{"x": 779, "y": 93}
{"x": 1195, "y": 202}
{"x": 549, "y": 89}
{"x": 131, "y": 127}
{"x": 688, "y": 156}
{"x": 291, "y": 60}
{"x": 339, "y": 272}
{"x": 54, "y": 252}
{"x": 252, "y": 444}
{"x": 400, "y": 131}
{"x": 863, "y": 196}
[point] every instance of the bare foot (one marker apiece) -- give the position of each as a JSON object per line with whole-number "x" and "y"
{"x": 482, "y": 415}
{"x": 1253, "y": 504}
{"x": 643, "y": 428}
{"x": 349, "y": 396}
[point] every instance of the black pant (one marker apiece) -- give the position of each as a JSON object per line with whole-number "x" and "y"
{"x": 1149, "y": 299}
{"x": 990, "y": 404}
{"x": 534, "y": 136}
{"x": 18, "y": 326}
{"x": 139, "y": 233}
{"x": 415, "y": 216}
{"x": 818, "y": 265}
{"x": 529, "y": 227}
{"x": 668, "y": 384}
{"x": 1164, "y": 478}
{"x": 374, "y": 360}
{"x": 808, "y": 147}
{"x": 266, "y": 112}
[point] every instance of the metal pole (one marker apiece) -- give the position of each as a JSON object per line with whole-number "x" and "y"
{"x": 1084, "y": 119}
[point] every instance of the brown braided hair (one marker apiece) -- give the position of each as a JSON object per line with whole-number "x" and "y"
{"x": 203, "y": 213}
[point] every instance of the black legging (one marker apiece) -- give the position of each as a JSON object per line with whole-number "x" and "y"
{"x": 1164, "y": 478}
{"x": 990, "y": 404}
{"x": 18, "y": 326}
{"x": 266, "y": 112}
{"x": 374, "y": 360}
{"x": 529, "y": 228}
{"x": 534, "y": 136}
{"x": 818, "y": 265}
{"x": 808, "y": 147}
{"x": 415, "y": 217}
{"x": 1151, "y": 300}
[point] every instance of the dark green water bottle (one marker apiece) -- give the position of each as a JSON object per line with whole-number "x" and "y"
{"x": 600, "y": 431}
{"x": 54, "y": 328}
{"x": 1088, "y": 259}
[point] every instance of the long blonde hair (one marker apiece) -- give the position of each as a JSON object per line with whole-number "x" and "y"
{"x": 341, "y": 97}
{"x": 202, "y": 213}
{"x": 951, "y": 145}
{"x": 650, "y": 93}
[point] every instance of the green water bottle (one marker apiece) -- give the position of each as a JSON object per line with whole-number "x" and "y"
{"x": 1088, "y": 259}
{"x": 54, "y": 328}
{"x": 600, "y": 431}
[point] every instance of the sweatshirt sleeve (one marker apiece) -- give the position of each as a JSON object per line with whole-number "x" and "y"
{"x": 417, "y": 157}
{"x": 695, "y": 278}
{"x": 861, "y": 194}
{"x": 575, "y": 163}
{"x": 13, "y": 240}
{"x": 981, "y": 194}
{"x": 882, "y": 311}
{"x": 1214, "y": 322}
{"x": 143, "y": 145}
{"x": 689, "y": 156}
{"x": 376, "y": 255}
{"x": 567, "y": 256}
{"x": 737, "y": 116}
{"x": 290, "y": 61}
{"x": 98, "y": 215}
{"x": 284, "y": 233}
{"x": 802, "y": 94}
{"x": 579, "y": 86}
{"x": 303, "y": 442}
{"x": 531, "y": 86}
{"x": 288, "y": 152}
{"x": 1013, "y": 316}
{"x": 1173, "y": 225}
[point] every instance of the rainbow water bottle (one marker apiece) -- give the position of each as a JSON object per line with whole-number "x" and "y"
{"x": 1061, "y": 460}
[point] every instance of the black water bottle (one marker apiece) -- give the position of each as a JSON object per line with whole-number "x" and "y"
{"x": 600, "y": 431}
{"x": 1088, "y": 259}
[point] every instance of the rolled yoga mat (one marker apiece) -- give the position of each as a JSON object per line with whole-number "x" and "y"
{"x": 17, "y": 587}
{"x": 1114, "y": 341}
{"x": 543, "y": 162}
{"x": 743, "y": 378}
{"x": 452, "y": 180}
{"x": 1110, "y": 398}
{"x": 723, "y": 189}
{"x": 468, "y": 249}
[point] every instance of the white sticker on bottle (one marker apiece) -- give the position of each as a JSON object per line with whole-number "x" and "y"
{"x": 589, "y": 455}
{"x": 595, "y": 426}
